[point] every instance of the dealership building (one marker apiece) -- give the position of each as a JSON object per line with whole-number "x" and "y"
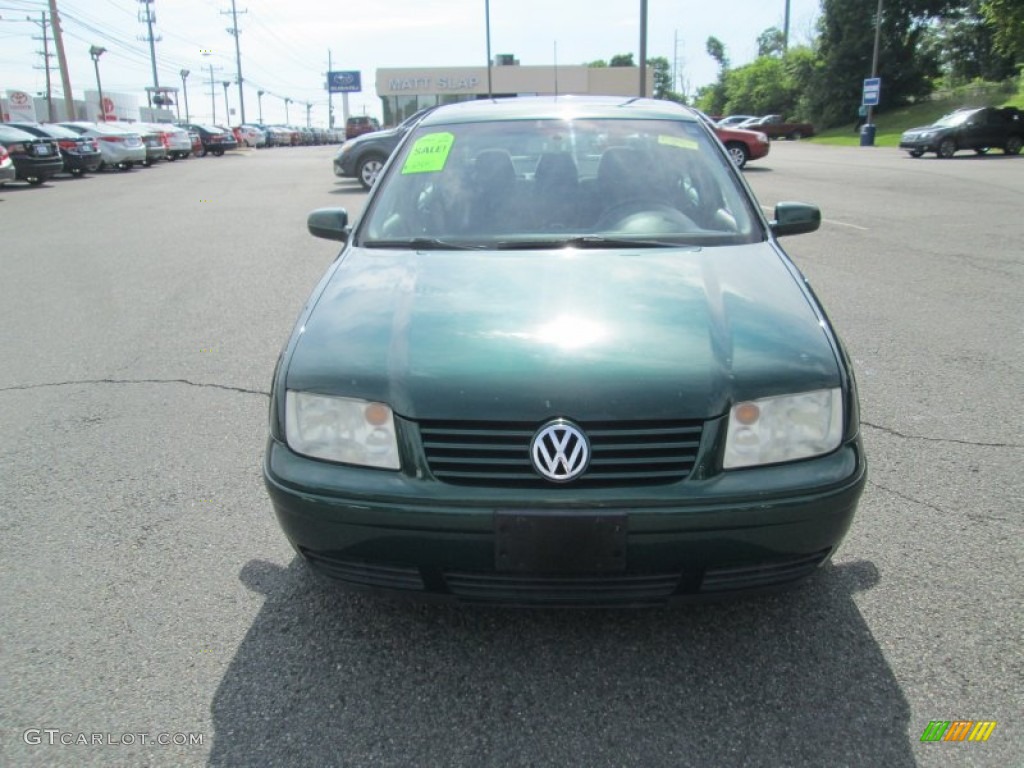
{"x": 404, "y": 91}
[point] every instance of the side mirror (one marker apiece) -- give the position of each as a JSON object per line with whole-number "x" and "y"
{"x": 329, "y": 223}
{"x": 795, "y": 219}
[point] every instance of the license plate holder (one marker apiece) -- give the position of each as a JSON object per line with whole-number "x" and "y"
{"x": 543, "y": 542}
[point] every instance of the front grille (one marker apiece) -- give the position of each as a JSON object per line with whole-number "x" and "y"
{"x": 565, "y": 590}
{"x": 761, "y": 575}
{"x": 622, "y": 453}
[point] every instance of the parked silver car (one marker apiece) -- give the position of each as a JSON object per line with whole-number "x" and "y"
{"x": 7, "y": 170}
{"x": 121, "y": 148}
{"x": 177, "y": 140}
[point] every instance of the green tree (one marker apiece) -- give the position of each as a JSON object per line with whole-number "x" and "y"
{"x": 598, "y": 63}
{"x": 844, "y": 50}
{"x": 716, "y": 50}
{"x": 1006, "y": 17}
{"x": 622, "y": 60}
{"x": 662, "y": 73}
{"x": 771, "y": 42}
{"x": 962, "y": 41}
{"x": 770, "y": 85}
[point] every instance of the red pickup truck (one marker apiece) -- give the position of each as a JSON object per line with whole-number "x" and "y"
{"x": 776, "y": 128}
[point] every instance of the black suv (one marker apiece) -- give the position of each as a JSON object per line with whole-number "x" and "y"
{"x": 363, "y": 157}
{"x": 977, "y": 128}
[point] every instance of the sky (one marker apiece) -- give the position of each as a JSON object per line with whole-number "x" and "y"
{"x": 285, "y": 43}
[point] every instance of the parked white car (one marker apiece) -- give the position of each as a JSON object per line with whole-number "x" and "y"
{"x": 251, "y": 136}
{"x": 120, "y": 147}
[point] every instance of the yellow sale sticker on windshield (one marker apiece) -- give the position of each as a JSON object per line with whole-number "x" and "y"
{"x": 675, "y": 141}
{"x": 429, "y": 153}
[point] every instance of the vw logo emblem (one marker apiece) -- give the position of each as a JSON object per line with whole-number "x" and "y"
{"x": 560, "y": 451}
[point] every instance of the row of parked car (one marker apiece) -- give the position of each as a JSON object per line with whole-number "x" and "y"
{"x": 363, "y": 157}
{"x": 35, "y": 152}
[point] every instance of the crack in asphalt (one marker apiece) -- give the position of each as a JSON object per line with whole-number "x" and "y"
{"x": 905, "y": 497}
{"x": 896, "y": 433}
{"x": 226, "y": 387}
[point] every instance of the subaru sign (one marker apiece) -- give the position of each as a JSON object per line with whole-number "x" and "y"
{"x": 344, "y": 82}
{"x": 872, "y": 90}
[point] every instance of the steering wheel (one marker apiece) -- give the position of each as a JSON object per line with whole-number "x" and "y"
{"x": 640, "y": 217}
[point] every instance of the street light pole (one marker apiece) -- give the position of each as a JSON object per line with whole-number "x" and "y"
{"x": 487, "y": 22}
{"x": 227, "y": 108}
{"x": 95, "y": 52}
{"x": 184, "y": 76}
{"x": 259, "y": 101}
{"x": 643, "y": 48}
{"x": 287, "y": 120}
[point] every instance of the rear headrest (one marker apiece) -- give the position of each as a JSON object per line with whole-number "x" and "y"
{"x": 556, "y": 169}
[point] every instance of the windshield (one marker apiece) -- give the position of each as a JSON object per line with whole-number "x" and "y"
{"x": 953, "y": 120}
{"x": 556, "y": 182}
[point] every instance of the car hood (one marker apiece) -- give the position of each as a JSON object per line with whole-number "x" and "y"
{"x": 591, "y": 335}
{"x": 922, "y": 128}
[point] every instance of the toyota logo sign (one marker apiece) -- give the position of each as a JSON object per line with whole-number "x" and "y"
{"x": 560, "y": 451}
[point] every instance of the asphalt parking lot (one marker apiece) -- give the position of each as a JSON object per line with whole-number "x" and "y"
{"x": 149, "y": 595}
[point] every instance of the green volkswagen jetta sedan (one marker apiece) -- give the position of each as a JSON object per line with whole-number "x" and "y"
{"x": 562, "y": 359}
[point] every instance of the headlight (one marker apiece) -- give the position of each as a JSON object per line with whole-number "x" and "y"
{"x": 785, "y": 428}
{"x": 341, "y": 429}
{"x": 763, "y": 138}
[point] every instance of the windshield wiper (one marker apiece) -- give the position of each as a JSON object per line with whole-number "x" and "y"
{"x": 589, "y": 241}
{"x": 423, "y": 244}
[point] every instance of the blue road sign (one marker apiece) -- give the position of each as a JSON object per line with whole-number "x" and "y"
{"x": 344, "y": 82}
{"x": 872, "y": 90}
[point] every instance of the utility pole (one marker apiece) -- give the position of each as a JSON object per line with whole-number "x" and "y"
{"x": 213, "y": 97}
{"x": 213, "y": 91}
{"x": 233, "y": 30}
{"x": 309, "y": 107}
{"x": 62, "y": 62}
{"x": 287, "y": 120}
{"x": 148, "y": 15}
{"x": 259, "y": 102}
{"x": 785, "y": 30}
{"x": 45, "y": 53}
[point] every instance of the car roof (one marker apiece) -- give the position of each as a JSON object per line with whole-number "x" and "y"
{"x": 16, "y": 134}
{"x": 557, "y": 107}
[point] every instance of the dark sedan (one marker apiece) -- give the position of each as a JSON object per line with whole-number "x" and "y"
{"x": 35, "y": 159}
{"x": 81, "y": 154}
{"x": 215, "y": 141}
{"x": 563, "y": 359}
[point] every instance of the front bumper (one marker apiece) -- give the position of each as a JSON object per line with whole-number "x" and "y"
{"x": 930, "y": 144}
{"x": 738, "y": 532}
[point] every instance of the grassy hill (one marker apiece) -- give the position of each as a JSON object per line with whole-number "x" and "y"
{"x": 890, "y": 124}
